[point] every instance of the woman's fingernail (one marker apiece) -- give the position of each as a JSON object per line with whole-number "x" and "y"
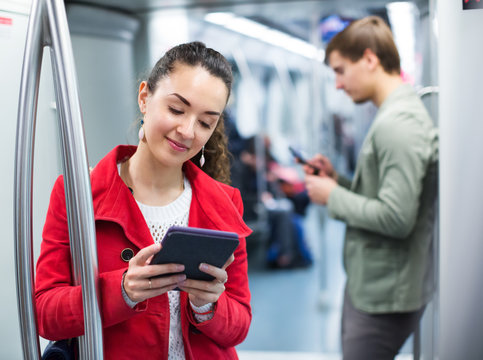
{"x": 203, "y": 266}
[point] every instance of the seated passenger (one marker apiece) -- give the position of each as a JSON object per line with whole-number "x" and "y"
{"x": 287, "y": 247}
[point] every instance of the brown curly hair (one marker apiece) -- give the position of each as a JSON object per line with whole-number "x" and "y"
{"x": 217, "y": 162}
{"x": 217, "y": 156}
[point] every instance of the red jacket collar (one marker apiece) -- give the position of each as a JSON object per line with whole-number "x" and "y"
{"x": 211, "y": 205}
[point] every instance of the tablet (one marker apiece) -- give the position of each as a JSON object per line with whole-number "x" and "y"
{"x": 192, "y": 246}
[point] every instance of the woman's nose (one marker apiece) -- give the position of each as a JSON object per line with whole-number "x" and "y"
{"x": 187, "y": 128}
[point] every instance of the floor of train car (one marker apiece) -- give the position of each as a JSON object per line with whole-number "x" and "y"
{"x": 296, "y": 312}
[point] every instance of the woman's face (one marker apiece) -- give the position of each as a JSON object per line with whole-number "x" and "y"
{"x": 182, "y": 113}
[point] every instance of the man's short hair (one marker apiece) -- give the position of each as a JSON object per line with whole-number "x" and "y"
{"x": 372, "y": 33}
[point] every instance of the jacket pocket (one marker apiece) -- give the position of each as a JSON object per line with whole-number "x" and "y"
{"x": 378, "y": 271}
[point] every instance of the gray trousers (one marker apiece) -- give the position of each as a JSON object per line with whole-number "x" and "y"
{"x": 368, "y": 336}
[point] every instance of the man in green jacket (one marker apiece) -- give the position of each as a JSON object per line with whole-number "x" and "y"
{"x": 389, "y": 204}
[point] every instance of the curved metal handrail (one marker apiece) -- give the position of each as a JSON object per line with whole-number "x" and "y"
{"x": 48, "y": 27}
{"x": 23, "y": 184}
{"x": 427, "y": 90}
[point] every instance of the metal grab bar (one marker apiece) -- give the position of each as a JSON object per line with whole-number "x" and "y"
{"x": 48, "y": 27}
{"x": 428, "y": 90}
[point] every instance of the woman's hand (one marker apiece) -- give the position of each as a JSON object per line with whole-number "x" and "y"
{"x": 140, "y": 282}
{"x": 204, "y": 292}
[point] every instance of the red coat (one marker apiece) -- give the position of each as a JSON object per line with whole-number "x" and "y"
{"x": 142, "y": 332}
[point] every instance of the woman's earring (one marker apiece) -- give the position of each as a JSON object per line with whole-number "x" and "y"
{"x": 202, "y": 158}
{"x": 141, "y": 131}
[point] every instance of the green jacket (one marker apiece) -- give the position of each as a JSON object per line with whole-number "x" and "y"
{"x": 389, "y": 209}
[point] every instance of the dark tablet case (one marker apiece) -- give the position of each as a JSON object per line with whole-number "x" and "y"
{"x": 192, "y": 246}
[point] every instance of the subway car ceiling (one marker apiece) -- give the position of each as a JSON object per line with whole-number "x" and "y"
{"x": 297, "y": 19}
{"x": 278, "y": 8}
{"x": 151, "y": 27}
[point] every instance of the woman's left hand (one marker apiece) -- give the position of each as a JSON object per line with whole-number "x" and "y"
{"x": 203, "y": 292}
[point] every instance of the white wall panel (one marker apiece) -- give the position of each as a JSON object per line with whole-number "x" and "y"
{"x": 10, "y": 68}
{"x": 102, "y": 42}
{"x": 461, "y": 174}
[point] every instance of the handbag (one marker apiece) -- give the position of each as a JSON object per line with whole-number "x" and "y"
{"x": 61, "y": 350}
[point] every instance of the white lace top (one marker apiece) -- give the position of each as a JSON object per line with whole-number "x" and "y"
{"x": 159, "y": 219}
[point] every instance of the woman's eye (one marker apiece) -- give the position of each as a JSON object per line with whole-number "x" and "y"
{"x": 175, "y": 111}
{"x": 205, "y": 124}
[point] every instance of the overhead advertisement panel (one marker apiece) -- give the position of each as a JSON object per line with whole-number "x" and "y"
{"x": 472, "y": 4}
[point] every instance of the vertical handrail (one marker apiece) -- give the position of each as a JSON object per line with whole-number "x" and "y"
{"x": 48, "y": 26}
{"x": 244, "y": 68}
{"x": 422, "y": 92}
{"x": 24, "y": 155}
{"x": 80, "y": 211}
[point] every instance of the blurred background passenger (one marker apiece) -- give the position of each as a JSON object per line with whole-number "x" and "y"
{"x": 283, "y": 198}
{"x": 389, "y": 204}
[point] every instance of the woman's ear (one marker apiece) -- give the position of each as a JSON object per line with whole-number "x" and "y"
{"x": 142, "y": 96}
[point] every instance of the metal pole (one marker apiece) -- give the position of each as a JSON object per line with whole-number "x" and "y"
{"x": 48, "y": 26}
{"x": 27, "y": 110}
{"x": 77, "y": 181}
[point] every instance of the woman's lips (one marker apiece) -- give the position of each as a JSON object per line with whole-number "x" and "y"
{"x": 177, "y": 146}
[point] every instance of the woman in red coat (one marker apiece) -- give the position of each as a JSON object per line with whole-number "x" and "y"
{"x": 138, "y": 193}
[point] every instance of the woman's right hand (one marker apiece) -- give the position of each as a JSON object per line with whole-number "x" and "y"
{"x": 141, "y": 281}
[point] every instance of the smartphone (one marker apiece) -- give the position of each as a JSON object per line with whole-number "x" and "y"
{"x": 298, "y": 155}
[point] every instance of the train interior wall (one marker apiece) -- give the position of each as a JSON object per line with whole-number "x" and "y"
{"x": 291, "y": 98}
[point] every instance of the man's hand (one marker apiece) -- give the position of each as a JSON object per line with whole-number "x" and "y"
{"x": 319, "y": 188}
{"x": 323, "y": 163}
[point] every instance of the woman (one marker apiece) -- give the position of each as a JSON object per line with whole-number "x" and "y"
{"x": 138, "y": 193}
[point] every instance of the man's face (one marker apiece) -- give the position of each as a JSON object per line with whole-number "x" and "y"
{"x": 352, "y": 77}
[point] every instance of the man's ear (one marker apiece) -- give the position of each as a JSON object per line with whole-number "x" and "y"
{"x": 142, "y": 96}
{"x": 371, "y": 59}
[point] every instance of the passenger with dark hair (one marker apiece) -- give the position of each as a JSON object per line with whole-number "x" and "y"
{"x": 389, "y": 204}
{"x": 177, "y": 175}
{"x": 283, "y": 199}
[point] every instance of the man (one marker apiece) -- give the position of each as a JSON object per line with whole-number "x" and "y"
{"x": 388, "y": 206}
